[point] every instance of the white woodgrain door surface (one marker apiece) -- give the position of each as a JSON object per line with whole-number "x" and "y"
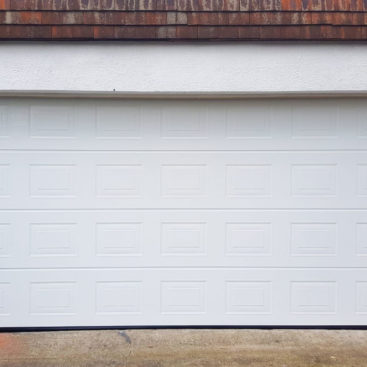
{"x": 183, "y": 212}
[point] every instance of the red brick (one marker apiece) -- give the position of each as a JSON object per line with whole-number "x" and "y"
{"x": 291, "y": 5}
{"x": 4, "y": 4}
{"x": 322, "y": 17}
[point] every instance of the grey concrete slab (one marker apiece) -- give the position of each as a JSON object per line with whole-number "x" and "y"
{"x": 184, "y": 348}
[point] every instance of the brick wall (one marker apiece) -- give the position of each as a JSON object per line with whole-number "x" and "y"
{"x": 183, "y": 19}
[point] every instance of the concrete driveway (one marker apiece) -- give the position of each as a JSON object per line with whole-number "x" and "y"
{"x": 191, "y": 348}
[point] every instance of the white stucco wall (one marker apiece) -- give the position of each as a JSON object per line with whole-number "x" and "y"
{"x": 183, "y": 67}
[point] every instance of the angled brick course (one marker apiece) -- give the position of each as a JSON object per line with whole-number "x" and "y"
{"x": 183, "y": 19}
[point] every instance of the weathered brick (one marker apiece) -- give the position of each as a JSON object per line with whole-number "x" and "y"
{"x": 239, "y": 18}
{"x": 290, "y": 33}
{"x": 103, "y": 32}
{"x": 249, "y": 33}
{"x": 167, "y": 32}
{"x": 187, "y": 32}
{"x": 176, "y": 18}
{"x": 4, "y": 4}
{"x": 245, "y": 5}
{"x": 133, "y": 32}
{"x": 270, "y": 32}
{"x": 291, "y": 5}
{"x": 207, "y": 18}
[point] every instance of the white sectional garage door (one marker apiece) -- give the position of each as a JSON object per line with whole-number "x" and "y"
{"x": 168, "y": 212}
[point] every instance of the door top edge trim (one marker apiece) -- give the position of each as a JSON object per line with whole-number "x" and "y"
{"x": 181, "y": 94}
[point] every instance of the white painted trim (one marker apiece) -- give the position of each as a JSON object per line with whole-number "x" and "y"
{"x": 180, "y": 95}
{"x": 200, "y": 70}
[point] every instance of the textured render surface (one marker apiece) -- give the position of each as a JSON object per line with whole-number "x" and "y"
{"x": 207, "y": 67}
{"x": 181, "y": 19}
{"x": 181, "y": 348}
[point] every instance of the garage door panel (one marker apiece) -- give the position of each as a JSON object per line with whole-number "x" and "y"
{"x": 183, "y": 212}
{"x": 184, "y": 297}
{"x": 164, "y": 238}
{"x": 183, "y": 125}
{"x": 183, "y": 180}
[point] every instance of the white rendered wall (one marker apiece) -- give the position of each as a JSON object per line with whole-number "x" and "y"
{"x": 183, "y": 67}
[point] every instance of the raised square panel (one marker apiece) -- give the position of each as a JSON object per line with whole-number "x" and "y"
{"x": 183, "y": 297}
{"x": 313, "y": 238}
{"x": 118, "y": 297}
{"x": 248, "y": 121}
{"x": 53, "y": 239}
{"x": 118, "y": 122}
{"x": 361, "y": 238}
{"x": 53, "y": 298}
{"x": 362, "y": 179}
{"x": 183, "y": 122}
{"x": 313, "y": 297}
{"x": 314, "y": 180}
{"x": 248, "y": 238}
{"x": 4, "y": 299}
{"x": 361, "y": 297}
{"x": 4, "y": 180}
{"x": 119, "y": 180}
{"x": 4, "y": 122}
{"x": 183, "y": 238}
{"x": 183, "y": 180}
{"x": 52, "y": 121}
{"x": 315, "y": 121}
{"x": 118, "y": 238}
{"x": 248, "y": 297}
{"x": 249, "y": 180}
{"x": 52, "y": 180}
{"x": 5, "y": 239}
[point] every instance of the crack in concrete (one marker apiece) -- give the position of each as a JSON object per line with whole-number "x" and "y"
{"x": 129, "y": 353}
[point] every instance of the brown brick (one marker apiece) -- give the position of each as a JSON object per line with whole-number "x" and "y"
{"x": 157, "y": 18}
{"x": 133, "y": 32}
{"x": 249, "y": 33}
{"x": 207, "y": 18}
{"x": 95, "y": 17}
{"x": 270, "y": 32}
{"x": 218, "y": 32}
{"x": 290, "y": 33}
{"x": 188, "y": 32}
{"x": 103, "y": 32}
{"x": 61, "y": 32}
{"x": 239, "y": 18}
{"x": 322, "y": 17}
{"x": 25, "y": 32}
